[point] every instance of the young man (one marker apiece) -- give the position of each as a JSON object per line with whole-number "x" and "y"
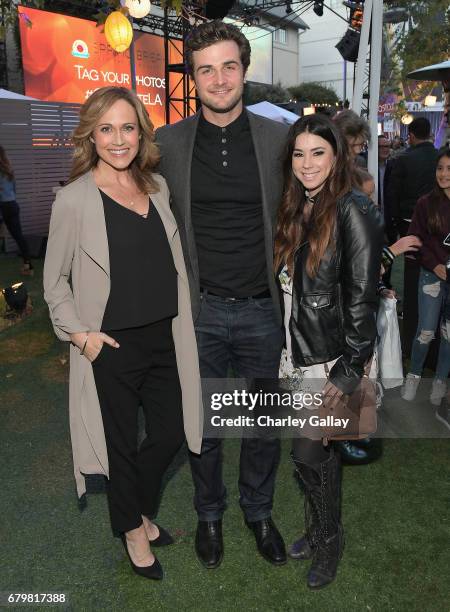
{"x": 413, "y": 173}
{"x": 223, "y": 169}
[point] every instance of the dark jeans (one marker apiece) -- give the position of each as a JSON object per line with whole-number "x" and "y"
{"x": 246, "y": 337}
{"x": 10, "y": 213}
{"x": 142, "y": 372}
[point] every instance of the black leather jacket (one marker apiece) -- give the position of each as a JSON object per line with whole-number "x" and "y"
{"x": 334, "y": 313}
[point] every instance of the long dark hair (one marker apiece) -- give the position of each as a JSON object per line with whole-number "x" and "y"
{"x": 5, "y": 166}
{"x": 435, "y": 222}
{"x": 291, "y": 226}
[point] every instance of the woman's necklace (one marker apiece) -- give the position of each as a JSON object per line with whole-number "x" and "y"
{"x": 310, "y": 199}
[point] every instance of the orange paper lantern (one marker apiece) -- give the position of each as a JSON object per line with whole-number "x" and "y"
{"x": 118, "y": 31}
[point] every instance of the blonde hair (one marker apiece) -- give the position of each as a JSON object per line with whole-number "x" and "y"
{"x": 85, "y": 156}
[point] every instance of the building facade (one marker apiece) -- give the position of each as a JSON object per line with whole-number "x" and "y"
{"x": 319, "y": 59}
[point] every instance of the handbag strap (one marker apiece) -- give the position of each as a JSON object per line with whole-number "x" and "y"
{"x": 367, "y": 368}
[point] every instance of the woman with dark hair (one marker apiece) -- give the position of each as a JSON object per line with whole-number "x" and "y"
{"x": 431, "y": 223}
{"x": 9, "y": 210}
{"x": 328, "y": 247}
{"x": 126, "y": 312}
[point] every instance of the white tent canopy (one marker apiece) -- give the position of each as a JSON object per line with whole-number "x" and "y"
{"x": 11, "y": 95}
{"x": 271, "y": 111}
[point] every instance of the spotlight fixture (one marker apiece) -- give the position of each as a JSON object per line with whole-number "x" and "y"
{"x": 16, "y": 297}
{"x": 407, "y": 119}
{"x": 318, "y": 7}
{"x": 217, "y": 9}
{"x": 348, "y": 46}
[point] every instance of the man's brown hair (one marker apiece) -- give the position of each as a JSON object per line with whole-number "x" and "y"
{"x": 210, "y": 33}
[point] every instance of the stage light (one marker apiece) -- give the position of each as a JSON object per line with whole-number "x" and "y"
{"x": 118, "y": 31}
{"x": 218, "y": 9}
{"x": 138, "y": 8}
{"x": 430, "y": 100}
{"x": 318, "y": 7}
{"x": 348, "y": 46}
{"x": 407, "y": 119}
{"x": 16, "y": 297}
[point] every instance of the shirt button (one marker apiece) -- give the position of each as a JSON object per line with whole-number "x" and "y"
{"x": 224, "y": 130}
{"x": 224, "y": 152}
{"x": 225, "y": 164}
{"x": 224, "y": 140}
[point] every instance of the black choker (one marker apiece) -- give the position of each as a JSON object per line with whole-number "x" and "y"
{"x": 309, "y": 199}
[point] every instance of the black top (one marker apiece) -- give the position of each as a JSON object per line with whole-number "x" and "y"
{"x": 143, "y": 275}
{"x": 227, "y": 214}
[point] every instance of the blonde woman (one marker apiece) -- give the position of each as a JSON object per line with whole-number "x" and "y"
{"x": 126, "y": 312}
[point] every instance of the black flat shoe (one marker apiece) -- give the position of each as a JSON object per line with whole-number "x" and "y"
{"x": 153, "y": 571}
{"x": 269, "y": 541}
{"x": 373, "y": 446}
{"x": 209, "y": 543}
{"x": 164, "y": 538}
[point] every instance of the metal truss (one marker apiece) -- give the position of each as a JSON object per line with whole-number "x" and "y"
{"x": 367, "y": 88}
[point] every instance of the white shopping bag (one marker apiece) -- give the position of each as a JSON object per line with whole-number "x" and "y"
{"x": 389, "y": 345}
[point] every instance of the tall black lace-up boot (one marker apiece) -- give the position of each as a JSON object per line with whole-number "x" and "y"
{"x": 324, "y": 539}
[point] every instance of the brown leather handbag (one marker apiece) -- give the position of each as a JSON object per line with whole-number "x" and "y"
{"x": 360, "y": 408}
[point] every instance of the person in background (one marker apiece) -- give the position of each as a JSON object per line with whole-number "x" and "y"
{"x": 397, "y": 147}
{"x": 364, "y": 181}
{"x": 384, "y": 172}
{"x": 330, "y": 310}
{"x": 412, "y": 174}
{"x": 357, "y": 133}
{"x": 431, "y": 223}
{"x": 9, "y": 211}
{"x": 406, "y": 244}
{"x": 443, "y": 411}
{"x": 126, "y": 312}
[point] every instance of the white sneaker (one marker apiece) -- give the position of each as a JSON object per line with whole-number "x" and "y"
{"x": 438, "y": 391}
{"x": 409, "y": 389}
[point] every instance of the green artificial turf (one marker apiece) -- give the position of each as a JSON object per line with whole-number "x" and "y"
{"x": 395, "y": 513}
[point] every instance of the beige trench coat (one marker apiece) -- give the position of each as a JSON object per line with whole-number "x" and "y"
{"x": 78, "y": 249}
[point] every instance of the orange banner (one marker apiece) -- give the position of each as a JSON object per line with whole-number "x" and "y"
{"x": 65, "y": 59}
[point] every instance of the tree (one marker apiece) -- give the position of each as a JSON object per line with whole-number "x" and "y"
{"x": 314, "y": 93}
{"x": 259, "y": 93}
{"x": 426, "y": 40}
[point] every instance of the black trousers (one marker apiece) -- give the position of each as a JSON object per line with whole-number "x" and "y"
{"x": 142, "y": 372}
{"x": 10, "y": 213}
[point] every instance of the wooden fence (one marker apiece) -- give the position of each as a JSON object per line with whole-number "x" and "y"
{"x": 36, "y": 137}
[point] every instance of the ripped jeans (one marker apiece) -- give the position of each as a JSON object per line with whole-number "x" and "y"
{"x": 432, "y": 295}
